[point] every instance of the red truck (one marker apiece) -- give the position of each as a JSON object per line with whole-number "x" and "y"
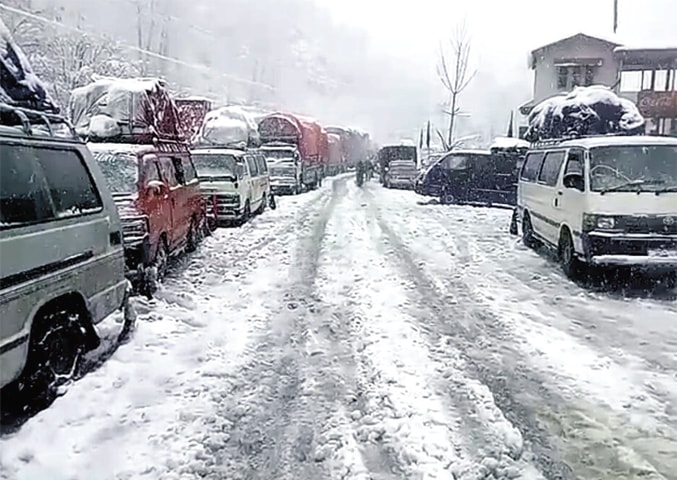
{"x": 300, "y": 142}
{"x": 336, "y": 158}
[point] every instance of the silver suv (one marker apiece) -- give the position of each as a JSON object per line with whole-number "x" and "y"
{"x": 61, "y": 256}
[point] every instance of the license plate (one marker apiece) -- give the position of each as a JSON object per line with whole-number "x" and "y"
{"x": 663, "y": 253}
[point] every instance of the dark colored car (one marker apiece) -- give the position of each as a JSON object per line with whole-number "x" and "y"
{"x": 472, "y": 176}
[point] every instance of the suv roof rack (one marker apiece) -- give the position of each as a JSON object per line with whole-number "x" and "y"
{"x": 26, "y": 120}
{"x": 549, "y": 142}
{"x": 170, "y": 146}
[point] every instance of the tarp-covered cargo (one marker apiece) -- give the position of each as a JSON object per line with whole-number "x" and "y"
{"x": 303, "y": 132}
{"x": 335, "y": 152}
{"x": 192, "y": 112}
{"x": 594, "y": 110}
{"x": 19, "y": 86}
{"x": 228, "y": 126}
{"x": 355, "y": 143}
{"x": 135, "y": 110}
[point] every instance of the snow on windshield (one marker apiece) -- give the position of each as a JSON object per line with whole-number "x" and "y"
{"x": 120, "y": 170}
{"x": 209, "y": 164}
{"x": 621, "y": 167}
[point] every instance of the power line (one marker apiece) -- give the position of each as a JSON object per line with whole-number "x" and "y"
{"x": 149, "y": 53}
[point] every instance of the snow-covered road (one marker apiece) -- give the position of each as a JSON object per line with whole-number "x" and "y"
{"x": 361, "y": 334}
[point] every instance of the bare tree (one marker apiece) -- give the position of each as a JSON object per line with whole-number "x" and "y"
{"x": 454, "y": 71}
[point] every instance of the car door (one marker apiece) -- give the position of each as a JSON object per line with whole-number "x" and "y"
{"x": 254, "y": 186}
{"x": 195, "y": 200}
{"x": 177, "y": 233}
{"x": 155, "y": 200}
{"x": 549, "y": 199}
{"x": 264, "y": 175}
{"x": 570, "y": 203}
{"x": 529, "y": 191}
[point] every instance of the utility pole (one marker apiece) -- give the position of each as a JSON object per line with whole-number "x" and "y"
{"x": 615, "y": 15}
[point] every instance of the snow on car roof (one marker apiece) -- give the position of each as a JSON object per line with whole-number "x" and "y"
{"x": 469, "y": 151}
{"x": 219, "y": 151}
{"x": 132, "y": 148}
{"x": 509, "y": 142}
{"x": 615, "y": 140}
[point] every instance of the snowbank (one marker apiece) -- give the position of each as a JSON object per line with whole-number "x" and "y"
{"x": 136, "y": 109}
{"x": 18, "y": 84}
{"x": 594, "y": 110}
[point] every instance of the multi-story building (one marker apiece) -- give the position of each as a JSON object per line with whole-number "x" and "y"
{"x": 648, "y": 77}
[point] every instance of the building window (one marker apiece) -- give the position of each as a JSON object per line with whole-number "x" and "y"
{"x": 589, "y": 75}
{"x": 562, "y": 77}
{"x": 576, "y": 77}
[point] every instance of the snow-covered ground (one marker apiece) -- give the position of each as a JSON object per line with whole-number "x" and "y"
{"x": 362, "y": 334}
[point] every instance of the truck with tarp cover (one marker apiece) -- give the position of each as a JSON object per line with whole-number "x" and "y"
{"x": 192, "y": 112}
{"x": 298, "y": 141}
{"x": 355, "y": 143}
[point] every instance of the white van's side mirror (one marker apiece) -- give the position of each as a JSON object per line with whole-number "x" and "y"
{"x": 575, "y": 181}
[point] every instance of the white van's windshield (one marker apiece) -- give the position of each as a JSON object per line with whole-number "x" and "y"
{"x": 632, "y": 168}
{"x": 216, "y": 166}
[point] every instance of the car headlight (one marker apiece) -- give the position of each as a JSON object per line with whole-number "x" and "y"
{"x": 598, "y": 222}
{"x": 606, "y": 223}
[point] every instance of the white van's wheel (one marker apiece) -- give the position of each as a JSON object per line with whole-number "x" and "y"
{"x": 567, "y": 255}
{"x": 528, "y": 238}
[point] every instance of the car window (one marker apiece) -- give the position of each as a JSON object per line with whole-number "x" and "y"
{"x": 189, "y": 172}
{"x": 39, "y": 184}
{"x": 574, "y": 162}
{"x": 532, "y": 165}
{"x": 167, "y": 171}
{"x": 252, "y": 166}
{"x": 177, "y": 162}
{"x": 551, "y": 168}
{"x": 120, "y": 170}
{"x": 263, "y": 167}
{"x": 454, "y": 162}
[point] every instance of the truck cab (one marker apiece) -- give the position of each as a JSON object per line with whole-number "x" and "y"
{"x": 286, "y": 169}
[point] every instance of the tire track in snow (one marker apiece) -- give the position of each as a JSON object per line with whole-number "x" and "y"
{"x": 450, "y": 317}
{"x": 288, "y": 400}
{"x": 581, "y": 430}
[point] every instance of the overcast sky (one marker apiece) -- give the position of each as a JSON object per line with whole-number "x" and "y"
{"x": 503, "y": 32}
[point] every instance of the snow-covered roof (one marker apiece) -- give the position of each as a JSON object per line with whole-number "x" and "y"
{"x": 618, "y": 140}
{"x": 577, "y": 36}
{"x": 667, "y": 48}
{"x": 219, "y": 151}
{"x": 470, "y": 151}
{"x": 508, "y": 142}
{"x": 131, "y": 148}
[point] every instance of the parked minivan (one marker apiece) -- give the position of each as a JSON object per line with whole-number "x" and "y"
{"x": 157, "y": 192}
{"x": 474, "y": 176}
{"x": 607, "y": 200}
{"x": 236, "y": 183}
{"x": 61, "y": 254}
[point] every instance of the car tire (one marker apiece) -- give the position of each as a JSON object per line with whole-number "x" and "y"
{"x": 192, "y": 239}
{"x": 528, "y": 238}
{"x": 156, "y": 273}
{"x": 514, "y": 230}
{"x": 571, "y": 266}
{"x": 273, "y": 202}
{"x": 264, "y": 203}
{"x": 447, "y": 198}
{"x": 247, "y": 212}
{"x": 57, "y": 345}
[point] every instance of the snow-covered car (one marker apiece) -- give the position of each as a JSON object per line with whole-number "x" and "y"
{"x": 399, "y": 166}
{"x": 235, "y": 182}
{"x": 62, "y": 265}
{"x": 606, "y": 200}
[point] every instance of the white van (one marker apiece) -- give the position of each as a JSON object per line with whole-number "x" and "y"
{"x": 236, "y": 183}
{"x": 606, "y": 200}
{"x": 62, "y": 266}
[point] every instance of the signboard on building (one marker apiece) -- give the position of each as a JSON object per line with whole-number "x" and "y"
{"x": 657, "y": 104}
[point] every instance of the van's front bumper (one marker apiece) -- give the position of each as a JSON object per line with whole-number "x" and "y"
{"x": 626, "y": 249}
